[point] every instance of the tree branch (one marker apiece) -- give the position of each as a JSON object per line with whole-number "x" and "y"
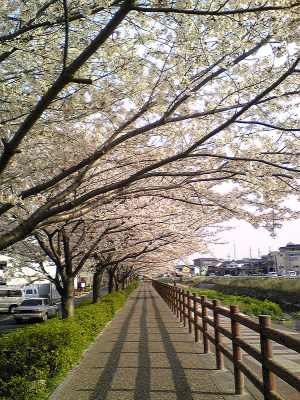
{"x": 215, "y": 13}
{"x": 60, "y": 83}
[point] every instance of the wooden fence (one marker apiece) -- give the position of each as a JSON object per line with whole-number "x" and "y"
{"x": 193, "y": 312}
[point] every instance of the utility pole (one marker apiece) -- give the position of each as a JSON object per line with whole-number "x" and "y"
{"x": 250, "y": 252}
{"x": 234, "y": 250}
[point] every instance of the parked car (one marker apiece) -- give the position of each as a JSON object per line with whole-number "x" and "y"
{"x": 13, "y": 296}
{"x": 10, "y": 298}
{"x": 292, "y": 274}
{"x": 35, "y": 308}
{"x": 272, "y": 274}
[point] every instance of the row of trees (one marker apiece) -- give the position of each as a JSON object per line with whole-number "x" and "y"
{"x": 137, "y": 237}
{"x": 131, "y": 129}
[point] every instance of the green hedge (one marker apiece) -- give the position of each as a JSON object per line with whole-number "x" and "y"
{"x": 33, "y": 359}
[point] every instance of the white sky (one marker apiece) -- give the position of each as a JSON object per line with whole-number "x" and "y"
{"x": 244, "y": 236}
{"x": 236, "y": 242}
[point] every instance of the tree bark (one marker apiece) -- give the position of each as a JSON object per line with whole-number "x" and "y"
{"x": 123, "y": 283}
{"x": 110, "y": 281}
{"x": 97, "y": 280}
{"x": 67, "y": 304}
{"x": 116, "y": 283}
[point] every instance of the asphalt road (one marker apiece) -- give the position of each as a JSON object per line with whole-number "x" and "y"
{"x": 7, "y": 322}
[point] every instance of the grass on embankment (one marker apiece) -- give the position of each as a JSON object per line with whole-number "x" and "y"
{"x": 34, "y": 359}
{"x": 284, "y": 291}
{"x": 284, "y": 285}
{"x": 248, "y": 305}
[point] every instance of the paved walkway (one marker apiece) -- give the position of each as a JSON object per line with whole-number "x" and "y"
{"x": 146, "y": 354}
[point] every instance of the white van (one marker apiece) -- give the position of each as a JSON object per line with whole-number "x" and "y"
{"x": 10, "y": 298}
{"x": 31, "y": 291}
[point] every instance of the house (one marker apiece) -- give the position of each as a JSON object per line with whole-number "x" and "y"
{"x": 287, "y": 258}
{"x": 244, "y": 266}
{"x": 187, "y": 270}
{"x": 206, "y": 264}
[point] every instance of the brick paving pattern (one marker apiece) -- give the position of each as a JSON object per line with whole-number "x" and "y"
{"x": 146, "y": 354}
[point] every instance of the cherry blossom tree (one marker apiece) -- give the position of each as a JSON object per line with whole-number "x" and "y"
{"x": 150, "y": 233}
{"x": 69, "y": 246}
{"x": 118, "y": 240}
{"x": 108, "y": 100}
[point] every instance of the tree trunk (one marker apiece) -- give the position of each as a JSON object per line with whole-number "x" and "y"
{"x": 116, "y": 282}
{"x": 110, "y": 281}
{"x": 67, "y": 304}
{"x": 97, "y": 280}
{"x": 123, "y": 283}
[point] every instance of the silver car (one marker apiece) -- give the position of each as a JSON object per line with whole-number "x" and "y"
{"x": 35, "y": 308}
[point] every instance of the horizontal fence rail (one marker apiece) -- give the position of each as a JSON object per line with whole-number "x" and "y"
{"x": 193, "y": 311}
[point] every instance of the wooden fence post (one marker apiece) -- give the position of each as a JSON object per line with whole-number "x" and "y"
{"x": 266, "y": 352}
{"x": 196, "y": 330}
{"x": 181, "y": 299}
{"x": 189, "y": 305}
{"x": 184, "y": 308}
{"x": 174, "y": 297}
{"x": 218, "y": 337}
{"x": 177, "y": 303}
{"x": 204, "y": 325}
{"x": 236, "y": 350}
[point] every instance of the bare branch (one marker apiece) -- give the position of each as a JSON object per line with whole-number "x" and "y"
{"x": 215, "y": 13}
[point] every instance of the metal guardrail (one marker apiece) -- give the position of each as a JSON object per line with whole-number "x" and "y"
{"x": 193, "y": 312}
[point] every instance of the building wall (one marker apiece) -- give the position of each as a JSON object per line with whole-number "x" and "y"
{"x": 287, "y": 258}
{"x": 188, "y": 270}
{"x": 205, "y": 264}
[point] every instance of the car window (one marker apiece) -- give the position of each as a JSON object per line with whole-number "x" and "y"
{"x": 32, "y": 302}
{"x": 29, "y": 291}
{"x": 3, "y": 293}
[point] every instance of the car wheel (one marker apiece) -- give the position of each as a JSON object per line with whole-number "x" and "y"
{"x": 12, "y": 309}
{"x": 45, "y": 317}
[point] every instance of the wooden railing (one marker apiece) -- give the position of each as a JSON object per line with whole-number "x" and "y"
{"x": 193, "y": 312}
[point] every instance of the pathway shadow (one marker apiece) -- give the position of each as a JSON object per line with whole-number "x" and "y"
{"x": 166, "y": 367}
{"x": 100, "y": 392}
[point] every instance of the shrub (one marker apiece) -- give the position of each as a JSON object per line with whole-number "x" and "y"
{"x": 248, "y": 305}
{"x": 32, "y": 358}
